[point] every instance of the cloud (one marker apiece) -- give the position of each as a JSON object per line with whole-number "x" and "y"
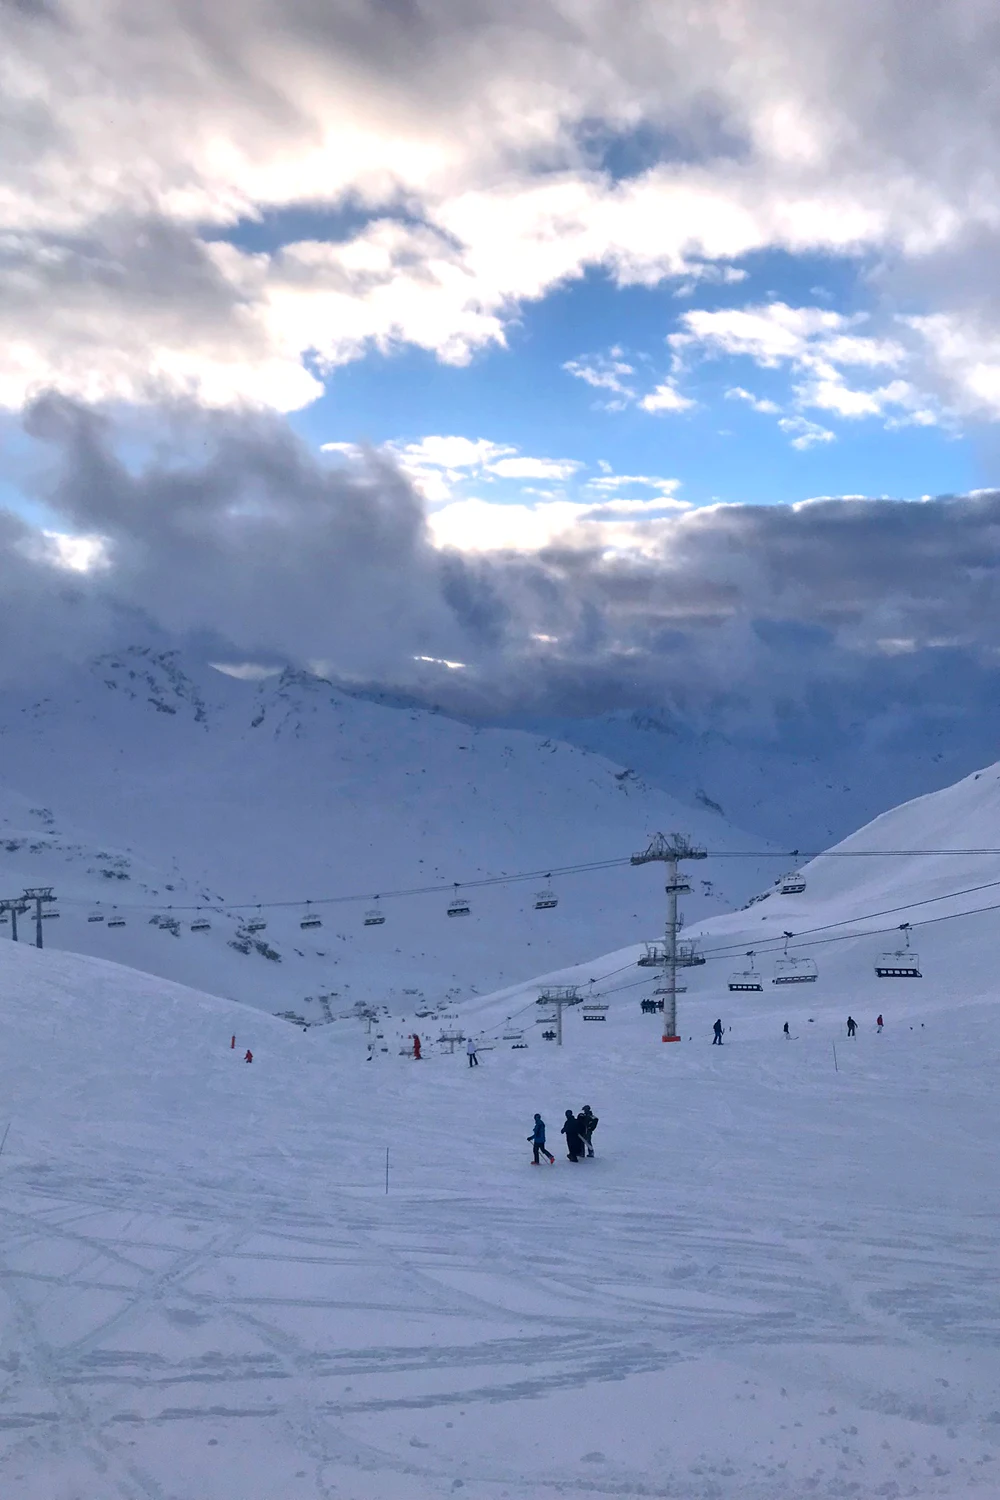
{"x": 468, "y": 160}
{"x": 805, "y": 434}
{"x": 535, "y": 468}
{"x": 260, "y": 550}
{"x": 757, "y": 403}
{"x": 666, "y": 397}
{"x": 610, "y": 372}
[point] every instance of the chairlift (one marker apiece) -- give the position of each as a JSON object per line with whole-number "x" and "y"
{"x": 201, "y": 924}
{"x": 48, "y": 916}
{"x": 746, "y": 979}
{"x": 788, "y": 970}
{"x": 458, "y": 906}
{"x": 901, "y": 963}
{"x": 689, "y": 955}
{"x": 255, "y": 924}
{"x": 793, "y": 884}
{"x": 115, "y": 920}
{"x": 374, "y": 917}
{"x": 96, "y": 916}
{"x": 310, "y": 919}
{"x": 654, "y": 956}
{"x": 546, "y": 900}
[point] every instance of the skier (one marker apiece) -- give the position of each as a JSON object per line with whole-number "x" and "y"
{"x": 878, "y": 1023}
{"x": 249, "y": 1056}
{"x": 788, "y": 1034}
{"x": 852, "y": 1026}
{"x": 588, "y": 1123}
{"x": 574, "y": 1140}
{"x": 537, "y": 1139}
{"x": 717, "y": 1038}
{"x": 470, "y": 1048}
{"x": 416, "y": 1046}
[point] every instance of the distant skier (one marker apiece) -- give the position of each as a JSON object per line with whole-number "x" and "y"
{"x": 470, "y": 1048}
{"x": 416, "y": 1046}
{"x": 879, "y": 1023}
{"x": 249, "y": 1056}
{"x": 788, "y": 1034}
{"x": 588, "y": 1123}
{"x": 575, "y": 1144}
{"x": 852, "y": 1026}
{"x": 537, "y": 1139}
{"x": 717, "y": 1037}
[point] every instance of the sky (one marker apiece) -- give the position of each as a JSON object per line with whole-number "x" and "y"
{"x": 552, "y": 304}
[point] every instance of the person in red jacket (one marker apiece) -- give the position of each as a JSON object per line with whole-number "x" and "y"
{"x": 416, "y": 1046}
{"x": 249, "y": 1056}
{"x": 878, "y": 1023}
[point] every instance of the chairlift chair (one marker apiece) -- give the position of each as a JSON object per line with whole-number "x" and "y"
{"x": 746, "y": 979}
{"x": 254, "y": 924}
{"x": 458, "y": 906}
{"x": 545, "y": 900}
{"x": 96, "y": 916}
{"x": 654, "y": 956}
{"x": 689, "y": 955}
{"x": 788, "y": 970}
{"x": 115, "y": 920}
{"x": 374, "y": 917}
{"x": 901, "y": 963}
{"x": 48, "y": 916}
{"x": 201, "y": 924}
{"x": 310, "y": 919}
{"x": 793, "y": 884}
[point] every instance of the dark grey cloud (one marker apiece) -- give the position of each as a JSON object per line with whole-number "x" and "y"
{"x": 251, "y": 541}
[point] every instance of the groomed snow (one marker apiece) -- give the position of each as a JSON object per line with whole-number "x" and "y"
{"x": 775, "y": 1281}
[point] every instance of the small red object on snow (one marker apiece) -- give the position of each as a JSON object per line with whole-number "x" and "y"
{"x": 416, "y": 1046}
{"x": 232, "y": 1044}
{"x": 249, "y": 1056}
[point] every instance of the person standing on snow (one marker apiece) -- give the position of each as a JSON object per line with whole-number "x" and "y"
{"x": 575, "y": 1145}
{"x": 470, "y": 1048}
{"x": 717, "y": 1038}
{"x": 852, "y": 1026}
{"x": 878, "y": 1023}
{"x": 416, "y": 1046}
{"x": 787, "y": 1033}
{"x": 588, "y": 1122}
{"x": 249, "y": 1056}
{"x": 537, "y": 1139}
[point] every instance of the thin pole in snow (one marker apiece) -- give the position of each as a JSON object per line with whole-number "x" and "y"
{"x": 387, "y": 1169}
{"x": 4, "y": 1141}
{"x": 834, "y": 1046}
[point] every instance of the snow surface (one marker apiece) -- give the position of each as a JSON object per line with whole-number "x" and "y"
{"x": 778, "y": 1279}
{"x": 153, "y": 782}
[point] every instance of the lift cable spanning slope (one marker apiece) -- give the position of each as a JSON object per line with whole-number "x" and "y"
{"x": 726, "y": 953}
{"x": 550, "y": 872}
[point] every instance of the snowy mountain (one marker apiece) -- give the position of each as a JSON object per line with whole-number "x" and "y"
{"x": 775, "y": 1279}
{"x": 806, "y": 779}
{"x": 149, "y": 785}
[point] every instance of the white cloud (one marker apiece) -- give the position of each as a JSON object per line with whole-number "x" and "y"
{"x": 476, "y": 525}
{"x": 609, "y": 481}
{"x": 608, "y": 372}
{"x": 805, "y": 434}
{"x": 535, "y": 468}
{"x": 758, "y": 403}
{"x": 454, "y": 452}
{"x": 666, "y": 397}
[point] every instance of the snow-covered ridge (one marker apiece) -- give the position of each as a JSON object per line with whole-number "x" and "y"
{"x": 153, "y": 783}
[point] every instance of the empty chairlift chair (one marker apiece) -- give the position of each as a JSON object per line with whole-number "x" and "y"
{"x": 201, "y": 924}
{"x": 793, "y": 884}
{"x": 310, "y": 918}
{"x": 901, "y": 963}
{"x": 746, "y": 979}
{"x": 116, "y": 920}
{"x": 458, "y": 906}
{"x": 374, "y": 917}
{"x": 546, "y": 900}
{"x": 255, "y": 924}
{"x": 789, "y": 970}
{"x": 96, "y": 916}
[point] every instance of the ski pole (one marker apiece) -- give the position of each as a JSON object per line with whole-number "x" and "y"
{"x": 4, "y": 1141}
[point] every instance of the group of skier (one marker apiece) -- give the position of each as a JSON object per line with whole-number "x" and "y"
{"x": 578, "y": 1130}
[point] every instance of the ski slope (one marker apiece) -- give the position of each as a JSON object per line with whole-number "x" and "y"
{"x": 150, "y": 784}
{"x": 777, "y": 1279}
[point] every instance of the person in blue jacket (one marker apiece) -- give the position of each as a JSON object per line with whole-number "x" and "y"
{"x": 537, "y": 1139}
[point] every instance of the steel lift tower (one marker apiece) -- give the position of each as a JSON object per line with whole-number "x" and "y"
{"x": 670, "y": 849}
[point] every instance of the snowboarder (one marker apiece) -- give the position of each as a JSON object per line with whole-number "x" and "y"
{"x": 717, "y": 1037}
{"x": 470, "y": 1048}
{"x": 788, "y": 1034}
{"x": 537, "y": 1139}
{"x": 588, "y": 1123}
{"x": 249, "y": 1056}
{"x": 574, "y": 1141}
{"x": 416, "y": 1046}
{"x": 878, "y": 1023}
{"x": 852, "y": 1026}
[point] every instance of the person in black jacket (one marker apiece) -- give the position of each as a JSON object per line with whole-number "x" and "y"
{"x": 575, "y": 1145}
{"x": 587, "y": 1121}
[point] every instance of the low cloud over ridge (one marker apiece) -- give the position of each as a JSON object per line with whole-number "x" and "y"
{"x": 266, "y": 550}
